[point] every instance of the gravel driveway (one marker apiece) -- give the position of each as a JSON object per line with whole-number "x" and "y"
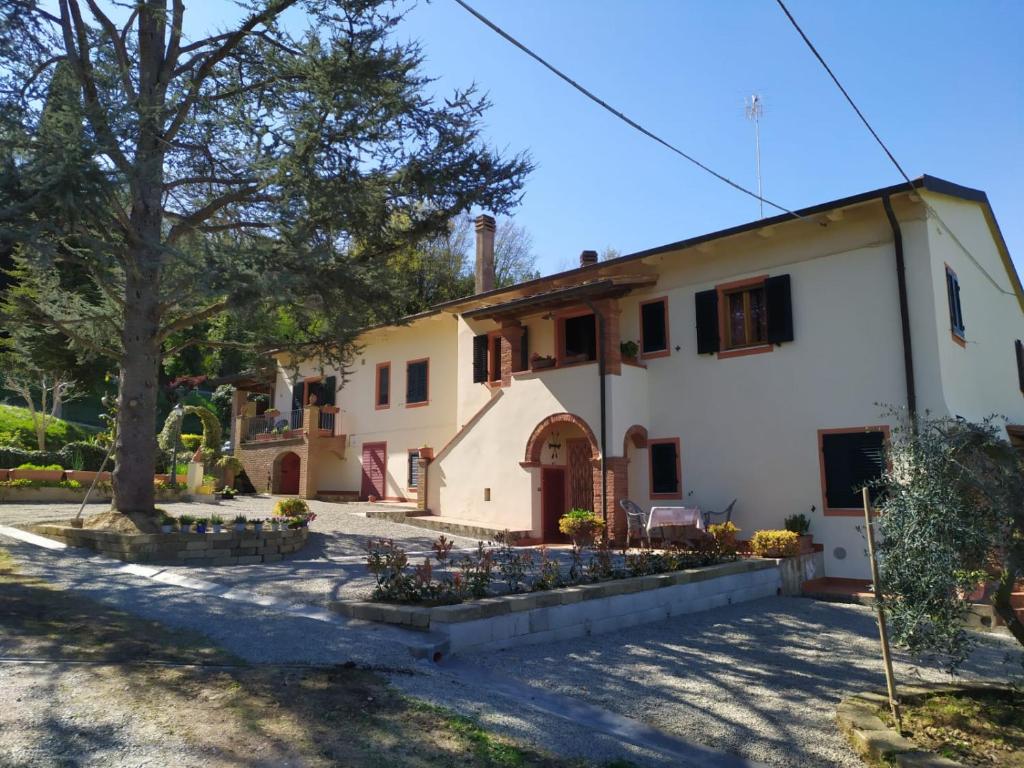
{"x": 760, "y": 680}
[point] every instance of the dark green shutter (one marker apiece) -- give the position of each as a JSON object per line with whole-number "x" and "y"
{"x": 416, "y": 383}
{"x": 524, "y": 350}
{"x": 653, "y": 327}
{"x": 706, "y": 303}
{"x": 297, "y": 391}
{"x": 664, "y": 468}
{"x": 852, "y": 460}
{"x": 480, "y": 358}
{"x": 330, "y": 391}
{"x": 1019, "y": 346}
{"x": 779, "y": 304}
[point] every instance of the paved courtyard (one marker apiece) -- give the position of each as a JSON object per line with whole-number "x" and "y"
{"x": 330, "y": 567}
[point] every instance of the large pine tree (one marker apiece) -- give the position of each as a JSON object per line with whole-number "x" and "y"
{"x": 253, "y": 166}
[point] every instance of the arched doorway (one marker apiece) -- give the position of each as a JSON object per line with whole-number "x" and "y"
{"x": 565, "y": 450}
{"x": 289, "y": 469}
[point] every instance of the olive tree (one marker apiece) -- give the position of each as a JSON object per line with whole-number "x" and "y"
{"x": 183, "y": 175}
{"x": 951, "y": 516}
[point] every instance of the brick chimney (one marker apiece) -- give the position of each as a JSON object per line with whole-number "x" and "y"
{"x": 587, "y": 258}
{"x": 484, "y": 253}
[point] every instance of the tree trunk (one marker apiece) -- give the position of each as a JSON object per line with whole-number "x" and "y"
{"x": 1001, "y": 599}
{"x": 136, "y": 415}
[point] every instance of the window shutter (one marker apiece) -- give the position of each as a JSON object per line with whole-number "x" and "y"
{"x": 524, "y": 350}
{"x": 1020, "y": 362}
{"x": 297, "y": 391}
{"x": 664, "y": 468}
{"x": 707, "y": 321}
{"x": 480, "y": 358}
{"x": 951, "y": 297}
{"x": 959, "y": 309}
{"x": 852, "y": 459}
{"x": 779, "y": 303}
{"x": 330, "y": 391}
{"x": 416, "y": 383}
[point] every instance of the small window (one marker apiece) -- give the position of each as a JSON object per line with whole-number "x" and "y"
{"x": 1018, "y": 347}
{"x": 956, "y": 314}
{"x": 851, "y": 459}
{"x": 654, "y": 328}
{"x": 665, "y": 469}
{"x": 383, "y": 387}
{"x": 417, "y": 384}
{"x": 414, "y": 469}
{"x": 746, "y": 317}
{"x": 579, "y": 339}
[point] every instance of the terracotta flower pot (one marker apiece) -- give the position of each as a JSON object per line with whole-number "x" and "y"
{"x": 3, "y": 474}
{"x": 51, "y": 475}
{"x": 83, "y": 476}
{"x": 807, "y": 544}
{"x": 161, "y": 478}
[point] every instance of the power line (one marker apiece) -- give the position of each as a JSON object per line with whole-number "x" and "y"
{"x": 605, "y": 105}
{"x": 928, "y": 208}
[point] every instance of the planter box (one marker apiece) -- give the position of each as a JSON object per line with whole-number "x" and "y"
{"x": 85, "y": 477}
{"x": 807, "y": 544}
{"x": 3, "y": 474}
{"x": 542, "y": 364}
{"x": 161, "y": 478}
{"x": 51, "y": 475}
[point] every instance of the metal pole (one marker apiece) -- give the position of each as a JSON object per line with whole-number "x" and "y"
{"x": 883, "y": 633}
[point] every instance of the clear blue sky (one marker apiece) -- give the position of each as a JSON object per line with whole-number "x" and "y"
{"x": 941, "y": 82}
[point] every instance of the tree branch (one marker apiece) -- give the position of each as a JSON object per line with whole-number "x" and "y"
{"x": 120, "y": 49}
{"x": 197, "y": 217}
{"x": 191, "y": 319}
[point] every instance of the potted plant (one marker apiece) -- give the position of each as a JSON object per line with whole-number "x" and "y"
{"x": 271, "y": 412}
{"x": 227, "y": 493}
{"x": 800, "y": 525}
{"x": 186, "y": 522}
{"x": 539, "y": 362}
{"x": 166, "y": 522}
{"x": 201, "y": 523}
{"x": 291, "y": 508}
{"x": 581, "y": 525}
{"x": 257, "y": 525}
{"x": 217, "y": 522}
{"x": 775, "y": 544}
{"x": 240, "y": 521}
{"x": 275, "y": 524}
{"x": 630, "y": 351}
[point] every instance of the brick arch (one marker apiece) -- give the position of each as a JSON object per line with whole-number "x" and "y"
{"x": 535, "y": 444}
{"x": 287, "y": 473}
{"x": 638, "y": 435}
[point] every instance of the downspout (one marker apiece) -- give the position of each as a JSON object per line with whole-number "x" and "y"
{"x": 901, "y": 282}
{"x": 601, "y": 380}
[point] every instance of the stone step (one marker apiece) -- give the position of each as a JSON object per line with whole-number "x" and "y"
{"x": 465, "y": 528}
{"x": 337, "y": 496}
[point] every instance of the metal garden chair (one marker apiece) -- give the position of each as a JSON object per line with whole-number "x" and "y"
{"x": 636, "y": 519}
{"x": 725, "y": 513}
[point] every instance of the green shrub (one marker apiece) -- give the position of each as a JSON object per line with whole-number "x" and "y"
{"x": 16, "y": 430}
{"x": 190, "y": 441}
{"x": 581, "y": 525}
{"x": 91, "y": 456}
{"x": 798, "y": 524}
{"x": 775, "y": 544}
{"x": 291, "y": 508}
{"x": 28, "y": 465}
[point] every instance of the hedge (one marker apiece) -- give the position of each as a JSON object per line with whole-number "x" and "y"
{"x": 91, "y": 456}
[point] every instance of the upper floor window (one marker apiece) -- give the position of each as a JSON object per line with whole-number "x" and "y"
{"x": 956, "y": 314}
{"x": 850, "y": 460}
{"x": 494, "y": 357}
{"x": 382, "y": 388}
{"x": 654, "y": 328}
{"x": 666, "y": 482}
{"x": 417, "y": 382}
{"x": 578, "y": 338}
{"x": 745, "y": 316}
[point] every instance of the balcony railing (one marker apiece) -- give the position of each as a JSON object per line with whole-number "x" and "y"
{"x": 280, "y": 425}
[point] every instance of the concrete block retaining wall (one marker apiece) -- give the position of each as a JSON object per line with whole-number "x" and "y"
{"x": 588, "y": 609}
{"x": 225, "y": 548}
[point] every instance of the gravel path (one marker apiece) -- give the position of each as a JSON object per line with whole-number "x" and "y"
{"x": 330, "y": 566}
{"x": 760, "y": 680}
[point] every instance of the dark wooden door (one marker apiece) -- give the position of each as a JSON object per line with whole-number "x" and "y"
{"x": 290, "y": 467}
{"x": 375, "y": 461}
{"x": 552, "y": 502}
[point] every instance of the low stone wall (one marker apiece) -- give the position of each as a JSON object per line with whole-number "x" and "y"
{"x": 794, "y": 571}
{"x": 588, "y": 609}
{"x": 225, "y": 548}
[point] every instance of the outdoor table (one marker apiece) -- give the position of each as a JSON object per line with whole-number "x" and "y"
{"x": 675, "y": 516}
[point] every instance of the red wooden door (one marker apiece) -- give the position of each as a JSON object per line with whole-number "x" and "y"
{"x": 552, "y": 502}
{"x": 290, "y": 467}
{"x": 375, "y": 461}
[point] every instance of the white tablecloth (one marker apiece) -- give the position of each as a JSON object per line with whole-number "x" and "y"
{"x": 664, "y": 516}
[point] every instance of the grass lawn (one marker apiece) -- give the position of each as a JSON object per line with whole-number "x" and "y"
{"x": 16, "y": 429}
{"x": 978, "y": 728}
{"x": 179, "y": 694}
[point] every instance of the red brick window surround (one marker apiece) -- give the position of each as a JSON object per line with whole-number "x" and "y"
{"x": 654, "y": 338}
{"x": 417, "y": 383}
{"x": 494, "y": 357}
{"x": 382, "y": 387}
{"x": 665, "y": 465}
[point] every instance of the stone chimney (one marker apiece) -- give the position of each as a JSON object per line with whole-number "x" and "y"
{"x": 587, "y": 258}
{"x": 484, "y": 253}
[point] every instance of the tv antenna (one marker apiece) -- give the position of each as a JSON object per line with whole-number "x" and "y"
{"x": 755, "y": 111}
